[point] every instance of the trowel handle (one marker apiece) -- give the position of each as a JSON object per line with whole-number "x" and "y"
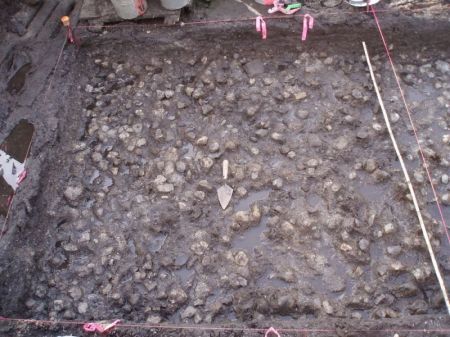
{"x": 225, "y": 169}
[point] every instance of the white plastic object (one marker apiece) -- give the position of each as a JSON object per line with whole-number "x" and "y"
{"x": 10, "y": 169}
{"x": 129, "y": 9}
{"x": 362, "y": 3}
{"x": 174, "y": 4}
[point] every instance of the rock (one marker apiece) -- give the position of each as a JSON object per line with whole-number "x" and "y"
{"x": 444, "y": 179}
{"x": 73, "y": 193}
{"x": 327, "y": 307}
{"x": 189, "y": 312}
{"x": 277, "y": 183}
{"x": 442, "y": 66}
{"x": 154, "y": 319}
{"x": 407, "y": 289}
{"x": 180, "y": 166}
{"x": 278, "y": 137}
{"x": 75, "y": 293}
{"x": 177, "y": 296}
{"x": 364, "y": 244}
{"x": 214, "y": 147}
{"x": 204, "y": 185}
{"x": 241, "y": 258}
{"x": 58, "y": 305}
{"x": 302, "y": 114}
{"x": 165, "y": 188}
{"x": 254, "y": 67}
{"x": 82, "y": 307}
{"x": 394, "y": 250}
{"x": 202, "y": 141}
{"x": 207, "y": 162}
{"x": 389, "y": 228}
{"x": 446, "y": 199}
{"x": 370, "y": 165}
{"x": 300, "y": 95}
{"x": 341, "y": 143}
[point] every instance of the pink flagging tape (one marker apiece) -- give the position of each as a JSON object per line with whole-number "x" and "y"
{"x": 416, "y": 135}
{"x": 261, "y": 27}
{"x": 99, "y": 327}
{"x": 308, "y": 23}
{"x": 272, "y": 330}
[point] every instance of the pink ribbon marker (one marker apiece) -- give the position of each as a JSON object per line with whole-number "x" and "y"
{"x": 308, "y": 23}
{"x": 98, "y": 327}
{"x": 261, "y": 27}
{"x": 271, "y": 330}
{"x": 22, "y": 177}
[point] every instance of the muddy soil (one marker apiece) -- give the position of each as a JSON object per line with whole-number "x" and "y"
{"x": 126, "y": 223}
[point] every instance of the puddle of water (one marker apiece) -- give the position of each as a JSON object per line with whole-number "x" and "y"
{"x": 252, "y": 237}
{"x": 16, "y": 145}
{"x": 156, "y": 243}
{"x": 244, "y": 204}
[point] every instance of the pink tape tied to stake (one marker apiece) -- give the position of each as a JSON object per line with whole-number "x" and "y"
{"x": 272, "y": 330}
{"x": 99, "y": 327}
{"x": 308, "y": 23}
{"x": 261, "y": 27}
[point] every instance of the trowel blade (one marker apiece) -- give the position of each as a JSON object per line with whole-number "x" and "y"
{"x": 224, "y": 193}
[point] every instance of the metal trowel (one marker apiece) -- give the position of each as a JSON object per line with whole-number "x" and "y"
{"x": 224, "y": 192}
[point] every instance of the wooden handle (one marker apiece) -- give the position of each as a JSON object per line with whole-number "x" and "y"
{"x": 225, "y": 169}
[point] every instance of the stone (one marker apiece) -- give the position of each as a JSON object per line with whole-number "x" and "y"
{"x": 370, "y": 165}
{"x": 75, "y": 293}
{"x": 73, "y": 193}
{"x": 189, "y": 312}
{"x": 207, "y": 162}
{"x": 444, "y": 179}
{"x": 214, "y": 147}
{"x": 241, "y": 258}
{"x": 277, "y": 183}
{"x": 202, "y": 141}
{"x": 177, "y": 296}
{"x": 254, "y": 67}
{"x": 389, "y": 228}
{"x": 341, "y": 143}
{"x": 180, "y": 166}
{"x": 327, "y": 308}
{"x": 364, "y": 244}
{"x": 82, "y": 307}
{"x": 442, "y": 66}
{"x": 165, "y": 188}
{"x": 278, "y": 137}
